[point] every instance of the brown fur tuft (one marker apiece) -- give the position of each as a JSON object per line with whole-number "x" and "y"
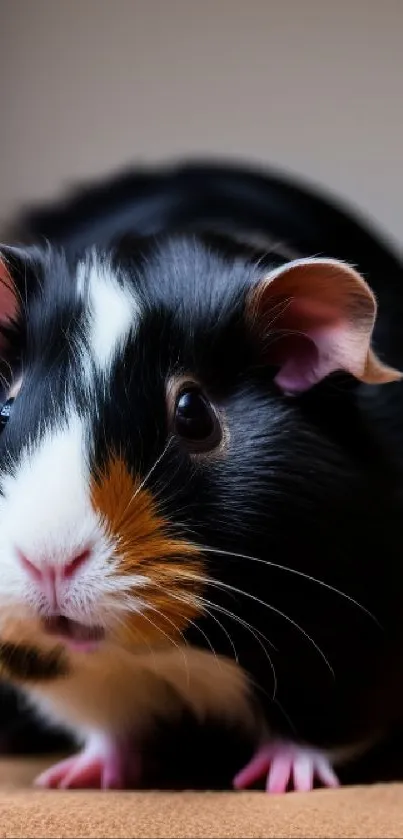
{"x": 146, "y": 546}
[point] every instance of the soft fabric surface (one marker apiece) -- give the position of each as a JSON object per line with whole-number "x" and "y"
{"x": 351, "y": 812}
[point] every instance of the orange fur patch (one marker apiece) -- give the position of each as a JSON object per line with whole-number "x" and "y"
{"x": 146, "y": 546}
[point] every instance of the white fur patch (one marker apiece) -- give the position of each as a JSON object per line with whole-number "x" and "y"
{"x": 113, "y": 309}
{"x": 47, "y": 500}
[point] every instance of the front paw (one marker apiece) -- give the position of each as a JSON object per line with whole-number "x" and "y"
{"x": 285, "y": 765}
{"x": 101, "y": 764}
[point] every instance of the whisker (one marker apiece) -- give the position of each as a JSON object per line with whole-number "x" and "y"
{"x": 285, "y": 715}
{"x": 207, "y": 549}
{"x": 203, "y": 601}
{"x": 148, "y": 475}
{"x": 253, "y": 632}
{"x": 165, "y": 495}
{"x": 207, "y": 639}
{"x": 171, "y": 640}
{"x": 222, "y": 627}
{"x": 195, "y": 625}
{"x": 226, "y": 587}
{"x": 135, "y": 631}
{"x": 192, "y": 623}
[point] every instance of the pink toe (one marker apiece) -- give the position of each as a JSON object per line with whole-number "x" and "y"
{"x": 254, "y": 770}
{"x": 325, "y": 773}
{"x": 284, "y": 762}
{"x": 83, "y": 775}
{"x": 51, "y": 778}
{"x": 279, "y": 774}
{"x": 303, "y": 772}
{"x": 92, "y": 770}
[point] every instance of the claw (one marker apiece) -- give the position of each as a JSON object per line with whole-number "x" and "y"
{"x": 286, "y": 765}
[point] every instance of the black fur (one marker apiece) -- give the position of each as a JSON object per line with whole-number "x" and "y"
{"x": 312, "y": 483}
{"x": 23, "y": 732}
{"x": 25, "y": 663}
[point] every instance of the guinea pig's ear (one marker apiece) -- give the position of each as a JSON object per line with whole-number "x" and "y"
{"x": 9, "y": 303}
{"x": 17, "y": 272}
{"x": 316, "y": 317}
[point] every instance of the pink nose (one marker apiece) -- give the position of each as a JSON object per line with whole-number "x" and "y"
{"x": 49, "y": 575}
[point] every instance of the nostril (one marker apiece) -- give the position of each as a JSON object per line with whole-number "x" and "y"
{"x": 76, "y": 563}
{"x": 50, "y": 571}
{"x": 29, "y": 566}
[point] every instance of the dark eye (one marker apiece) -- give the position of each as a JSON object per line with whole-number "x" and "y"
{"x": 5, "y": 412}
{"x": 195, "y": 420}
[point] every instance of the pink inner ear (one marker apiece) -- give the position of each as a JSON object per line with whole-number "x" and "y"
{"x": 315, "y": 317}
{"x": 311, "y": 344}
{"x": 8, "y": 299}
{"x": 298, "y": 372}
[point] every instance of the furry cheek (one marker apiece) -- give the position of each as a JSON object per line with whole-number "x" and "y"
{"x": 145, "y": 546}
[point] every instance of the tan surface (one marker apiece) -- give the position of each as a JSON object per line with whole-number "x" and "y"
{"x": 352, "y": 812}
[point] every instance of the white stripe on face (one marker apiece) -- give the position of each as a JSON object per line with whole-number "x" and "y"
{"x": 113, "y": 308}
{"x": 46, "y": 509}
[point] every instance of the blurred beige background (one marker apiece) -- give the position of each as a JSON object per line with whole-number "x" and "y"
{"x": 312, "y": 86}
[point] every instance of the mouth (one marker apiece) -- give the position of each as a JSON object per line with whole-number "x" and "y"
{"x": 75, "y": 635}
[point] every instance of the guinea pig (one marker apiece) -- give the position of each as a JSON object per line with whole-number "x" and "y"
{"x": 200, "y": 504}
